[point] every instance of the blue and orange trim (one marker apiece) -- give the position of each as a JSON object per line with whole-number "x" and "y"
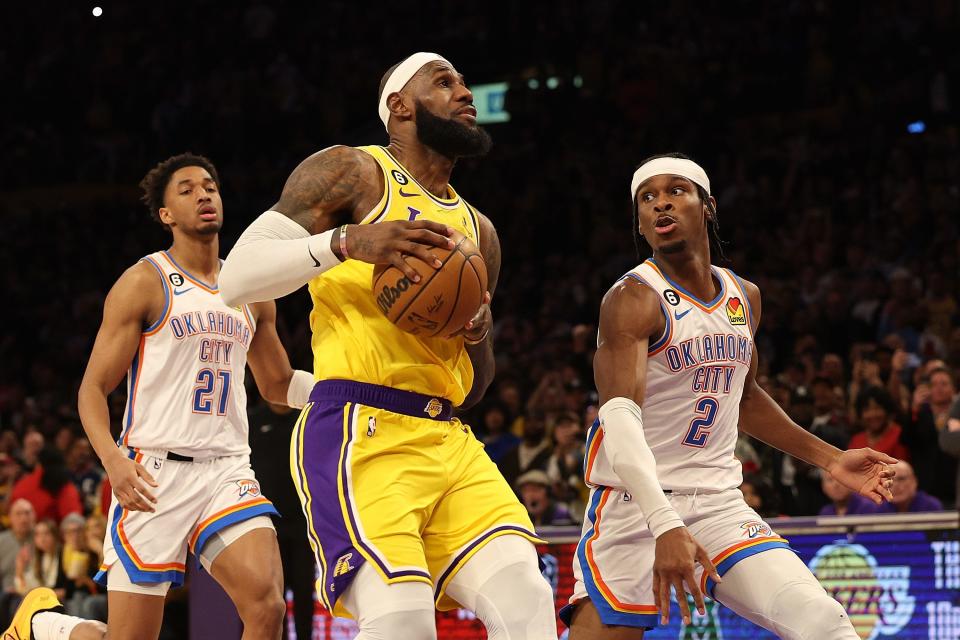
{"x": 133, "y": 382}
{"x": 594, "y": 440}
{"x": 226, "y": 517}
{"x": 611, "y": 609}
{"x": 730, "y": 556}
{"x": 708, "y": 307}
{"x": 663, "y": 341}
{"x": 137, "y": 569}
{"x": 167, "y": 299}
{"x": 186, "y": 274}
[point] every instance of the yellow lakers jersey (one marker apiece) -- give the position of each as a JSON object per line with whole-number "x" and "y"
{"x": 353, "y": 340}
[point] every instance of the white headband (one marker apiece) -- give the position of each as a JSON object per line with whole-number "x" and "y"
{"x": 401, "y": 76}
{"x": 669, "y": 166}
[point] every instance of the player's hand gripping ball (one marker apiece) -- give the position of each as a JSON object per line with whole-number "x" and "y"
{"x": 444, "y": 300}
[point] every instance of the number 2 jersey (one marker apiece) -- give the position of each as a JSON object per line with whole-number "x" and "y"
{"x": 695, "y": 377}
{"x": 185, "y": 388}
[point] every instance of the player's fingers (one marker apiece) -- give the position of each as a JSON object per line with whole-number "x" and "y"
{"x": 694, "y": 589}
{"x": 682, "y": 599}
{"x": 437, "y": 228}
{"x": 431, "y": 238}
{"x": 878, "y": 456}
{"x": 708, "y": 567}
{"x": 143, "y": 473}
{"x": 656, "y": 589}
{"x": 396, "y": 259}
{"x": 663, "y": 599}
{"x": 422, "y": 252}
{"x": 487, "y": 298}
{"x": 143, "y": 491}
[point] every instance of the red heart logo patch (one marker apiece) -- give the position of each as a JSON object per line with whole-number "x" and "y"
{"x": 734, "y": 304}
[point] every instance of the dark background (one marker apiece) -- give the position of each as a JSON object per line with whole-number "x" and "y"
{"x": 797, "y": 110}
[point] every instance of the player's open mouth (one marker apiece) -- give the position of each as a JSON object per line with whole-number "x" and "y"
{"x": 665, "y": 224}
{"x": 208, "y": 212}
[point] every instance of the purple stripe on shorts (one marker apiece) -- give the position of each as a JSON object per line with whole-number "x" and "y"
{"x": 441, "y": 582}
{"x": 323, "y": 440}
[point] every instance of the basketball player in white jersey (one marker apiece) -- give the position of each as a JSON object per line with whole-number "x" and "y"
{"x": 180, "y": 471}
{"x": 676, "y": 338}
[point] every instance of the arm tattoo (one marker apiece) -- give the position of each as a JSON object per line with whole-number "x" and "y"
{"x": 323, "y": 185}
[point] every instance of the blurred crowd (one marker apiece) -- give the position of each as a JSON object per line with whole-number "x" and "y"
{"x": 829, "y": 131}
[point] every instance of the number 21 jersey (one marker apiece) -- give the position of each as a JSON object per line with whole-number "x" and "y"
{"x": 185, "y": 388}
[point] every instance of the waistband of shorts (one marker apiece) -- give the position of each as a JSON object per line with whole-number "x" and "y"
{"x": 408, "y": 403}
{"x": 130, "y": 452}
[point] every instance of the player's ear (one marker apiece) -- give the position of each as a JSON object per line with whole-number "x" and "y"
{"x": 398, "y": 106}
{"x": 165, "y": 216}
{"x": 710, "y": 208}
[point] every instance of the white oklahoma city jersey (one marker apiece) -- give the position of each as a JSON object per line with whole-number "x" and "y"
{"x": 695, "y": 376}
{"x": 185, "y": 390}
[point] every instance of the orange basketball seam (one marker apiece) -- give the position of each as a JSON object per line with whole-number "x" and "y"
{"x": 456, "y": 297}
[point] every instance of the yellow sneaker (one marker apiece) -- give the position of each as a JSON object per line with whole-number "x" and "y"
{"x": 39, "y": 599}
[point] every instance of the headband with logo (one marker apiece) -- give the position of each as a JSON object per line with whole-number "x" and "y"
{"x": 669, "y": 166}
{"x": 401, "y": 76}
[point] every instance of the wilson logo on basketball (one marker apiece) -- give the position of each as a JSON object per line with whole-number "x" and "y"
{"x": 389, "y": 295}
{"x": 249, "y": 488}
{"x": 735, "y": 312}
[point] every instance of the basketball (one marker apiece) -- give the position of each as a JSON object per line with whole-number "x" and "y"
{"x": 444, "y": 300}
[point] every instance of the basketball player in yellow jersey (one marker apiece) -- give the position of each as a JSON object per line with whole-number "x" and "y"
{"x": 405, "y": 510}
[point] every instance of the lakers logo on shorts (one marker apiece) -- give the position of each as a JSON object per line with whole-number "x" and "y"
{"x": 433, "y": 408}
{"x": 343, "y": 565}
{"x": 248, "y": 488}
{"x": 371, "y": 426}
{"x": 735, "y": 312}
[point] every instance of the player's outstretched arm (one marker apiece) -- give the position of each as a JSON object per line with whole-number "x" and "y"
{"x": 863, "y": 470}
{"x": 478, "y": 332}
{"x": 136, "y": 298}
{"x": 629, "y": 315}
{"x": 299, "y": 238}
{"x": 276, "y": 380}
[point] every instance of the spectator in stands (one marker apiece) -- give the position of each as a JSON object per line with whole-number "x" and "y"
{"x": 829, "y": 420}
{"x": 32, "y": 445}
{"x": 42, "y": 565}
{"x": 759, "y": 495}
{"x": 17, "y": 537}
{"x": 534, "y": 489}
{"x": 949, "y": 441}
{"x": 9, "y": 472}
{"x": 64, "y": 438}
{"x": 48, "y": 488}
{"x": 843, "y": 502}
{"x": 496, "y": 436}
{"x": 875, "y": 412}
{"x": 929, "y": 413}
{"x": 906, "y": 497}
{"x": 565, "y": 466}
{"x": 85, "y": 474}
{"x": 94, "y": 603}
{"x": 533, "y": 452}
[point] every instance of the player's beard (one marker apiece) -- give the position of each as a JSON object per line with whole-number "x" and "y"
{"x": 451, "y": 138}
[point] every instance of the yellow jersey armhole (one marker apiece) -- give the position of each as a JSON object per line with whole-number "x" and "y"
{"x": 383, "y": 205}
